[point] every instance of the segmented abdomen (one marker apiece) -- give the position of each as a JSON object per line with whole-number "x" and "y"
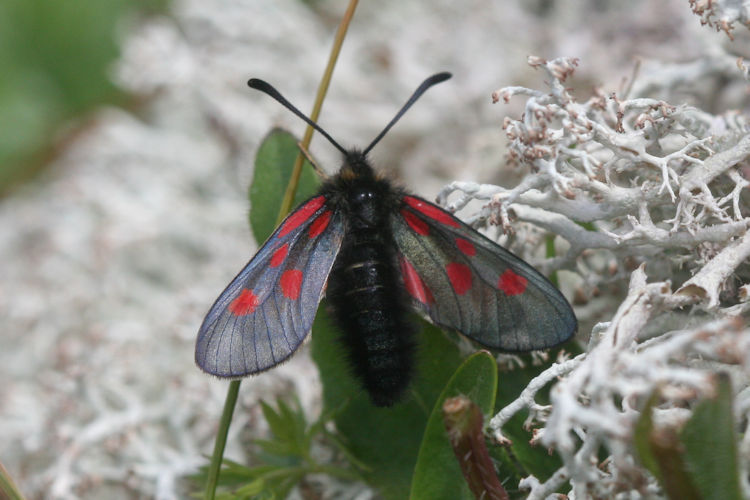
{"x": 372, "y": 310}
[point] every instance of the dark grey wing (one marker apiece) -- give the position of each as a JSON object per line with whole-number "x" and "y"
{"x": 466, "y": 282}
{"x": 268, "y": 309}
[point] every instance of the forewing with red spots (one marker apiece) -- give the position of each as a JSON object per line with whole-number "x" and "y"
{"x": 268, "y": 309}
{"x": 466, "y": 282}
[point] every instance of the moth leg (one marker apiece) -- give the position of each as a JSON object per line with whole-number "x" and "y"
{"x": 310, "y": 159}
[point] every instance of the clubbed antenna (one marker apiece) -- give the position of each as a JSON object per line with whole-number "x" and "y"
{"x": 267, "y": 88}
{"x": 429, "y": 82}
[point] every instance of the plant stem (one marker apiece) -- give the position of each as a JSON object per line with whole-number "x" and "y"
{"x": 8, "y": 489}
{"x": 291, "y": 189}
{"x": 221, "y": 439}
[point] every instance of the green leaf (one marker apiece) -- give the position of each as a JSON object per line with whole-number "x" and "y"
{"x": 643, "y": 428}
{"x": 701, "y": 461}
{"x": 251, "y": 489}
{"x": 385, "y": 440}
{"x": 661, "y": 453}
{"x": 437, "y": 473}
{"x": 273, "y": 169}
{"x": 274, "y": 419}
{"x": 710, "y": 441}
{"x": 290, "y": 443}
{"x": 285, "y": 458}
{"x": 297, "y": 427}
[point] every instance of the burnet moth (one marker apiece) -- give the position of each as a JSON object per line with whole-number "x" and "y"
{"x": 382, "y": 253}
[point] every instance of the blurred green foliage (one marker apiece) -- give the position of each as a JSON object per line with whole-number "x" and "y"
{"x": 437, "y": 473}
{"x": 283, "y": 460}
{"x": 274, "y": 163}
{"x": 55, "y": 59}
{"x": 700, "y": 460}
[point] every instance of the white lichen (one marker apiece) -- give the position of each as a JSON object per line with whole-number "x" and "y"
{"x": 663, "y": 189}
{"x": 722, "y": 14}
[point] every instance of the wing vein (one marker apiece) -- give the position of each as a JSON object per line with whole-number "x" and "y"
{"x": 535, "y": 316}
{"x": 447, "y": 278}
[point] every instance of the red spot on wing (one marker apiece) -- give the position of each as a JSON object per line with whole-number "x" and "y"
{"x": 511, "y": 283}
{"x": 414, "y": 284}
{"x": 466, "y": 247}
{"x": 418, "y": 225}
{"x": 459, "y": 276}
{"x": 301, "y": 215}
{"x": 279, "y": 255}
{"x": 319, "y": 224}
{"x": 291, "y": 283}
{"x": 431, "y": 211}
{"x": 245, "y": 303}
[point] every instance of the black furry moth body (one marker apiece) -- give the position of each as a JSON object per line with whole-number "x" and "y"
{"x": 382, "y": 252}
